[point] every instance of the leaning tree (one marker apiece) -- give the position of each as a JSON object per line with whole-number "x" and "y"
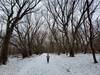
{"x": 13, "y": 11}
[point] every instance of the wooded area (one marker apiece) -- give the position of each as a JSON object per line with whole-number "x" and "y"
{"x": 56, "y": 26}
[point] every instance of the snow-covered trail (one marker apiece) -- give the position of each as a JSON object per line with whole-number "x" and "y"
{"x": 81, "y": 64}
{"x": 39, "y": 66}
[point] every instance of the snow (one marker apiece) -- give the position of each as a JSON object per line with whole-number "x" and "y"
{"x": 81, "y": 64}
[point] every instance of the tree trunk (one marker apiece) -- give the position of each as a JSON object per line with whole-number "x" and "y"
{"x": 4, "y": 49}
{"x": 93, "y": 51}
{"x": 91, "y": 32}
{"x": 24, "y": 53}
{"x": 71, "y": 53}
{"x": 30, "y": 52}
{"x": 30, "y": 49}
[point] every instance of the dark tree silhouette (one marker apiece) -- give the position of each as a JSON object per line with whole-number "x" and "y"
{"x": 14, "y": 10}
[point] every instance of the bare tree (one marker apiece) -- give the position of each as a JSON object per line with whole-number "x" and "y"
{"x": 40, "y": 39}
{"x": 14, "y": 11}
{"x": 91, "y": 31}
{"x": 67, "y": 22}
{"x": 26, "y": 34}
{"x": 63, "y": 14}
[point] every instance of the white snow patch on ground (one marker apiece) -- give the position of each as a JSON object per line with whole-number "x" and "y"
{"x": 81, "y": 64}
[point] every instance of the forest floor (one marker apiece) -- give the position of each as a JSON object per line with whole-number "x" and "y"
{"x": 81, "y": 64}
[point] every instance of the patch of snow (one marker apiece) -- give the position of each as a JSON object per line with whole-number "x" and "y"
{"x": 81, "y": 64}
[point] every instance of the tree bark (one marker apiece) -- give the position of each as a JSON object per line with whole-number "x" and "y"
{"x": 93, "y": 51}
{"x": 91, "y": 33}
{"x": 4, "y": 49}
